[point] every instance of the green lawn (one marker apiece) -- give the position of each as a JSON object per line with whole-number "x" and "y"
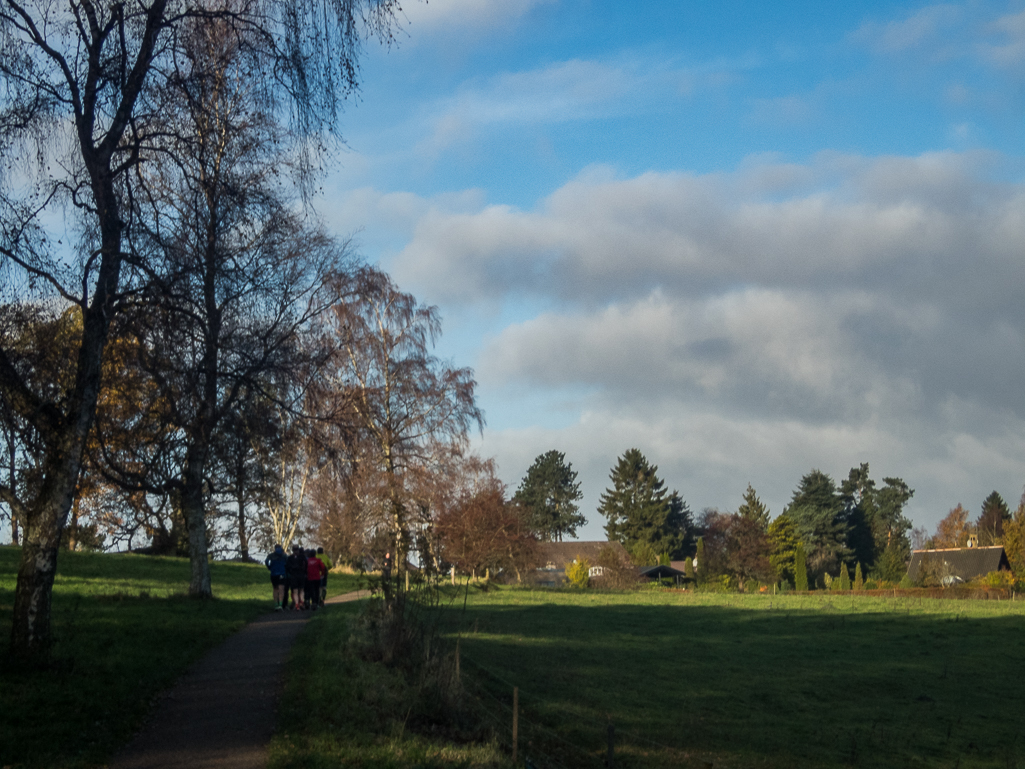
{"x": 123, "y": 631}
{"x": 750, "y": 680}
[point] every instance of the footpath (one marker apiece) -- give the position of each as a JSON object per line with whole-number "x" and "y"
{"x": 222, "y": 713}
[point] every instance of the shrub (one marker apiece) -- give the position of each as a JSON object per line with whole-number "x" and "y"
{"x": 579, "y": 573}
{"x": 871, "y": 585}
{"x": 999, "y": 579}
{"x": 617, "y": 572}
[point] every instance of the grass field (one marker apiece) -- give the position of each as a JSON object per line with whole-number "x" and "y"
{"x": 123, "y": 631}
{"x": 694, "y": 680}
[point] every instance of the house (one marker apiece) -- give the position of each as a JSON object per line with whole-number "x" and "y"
{"x": 952, "y": 566}
{"x": 556, "y": 556}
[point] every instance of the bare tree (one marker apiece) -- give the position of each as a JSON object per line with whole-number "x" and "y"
{"x": 77, "y": 101}
{"x": 404, "y": 400}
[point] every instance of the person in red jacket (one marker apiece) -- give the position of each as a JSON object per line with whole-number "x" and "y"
{"x": 315, "y": 572}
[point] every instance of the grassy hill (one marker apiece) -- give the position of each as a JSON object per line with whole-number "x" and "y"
{"x": 123, "y": 631}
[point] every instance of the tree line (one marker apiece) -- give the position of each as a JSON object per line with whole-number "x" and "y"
{"x": 155, "y": 160}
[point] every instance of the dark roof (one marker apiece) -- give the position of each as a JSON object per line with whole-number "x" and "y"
{"x": 965, "y": 563}
{"x": 558, "y": 555}
{"x": 660, "y": 572}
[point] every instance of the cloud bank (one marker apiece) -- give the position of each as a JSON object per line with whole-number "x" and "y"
{"x": 752, "y": 325}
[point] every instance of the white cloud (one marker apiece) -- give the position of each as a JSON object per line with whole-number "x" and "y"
{"x": 754, "y": 325}
{"x": 921, "y": 30}
{"x": 1009, "y": 50}
{"x": 451, "y": 16}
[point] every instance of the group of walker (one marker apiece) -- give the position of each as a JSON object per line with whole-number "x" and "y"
{"x": 301, "y": 575}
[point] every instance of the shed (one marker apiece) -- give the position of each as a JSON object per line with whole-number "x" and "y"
{"x": 663, "y": 572}
{"x": 951, "y": 566}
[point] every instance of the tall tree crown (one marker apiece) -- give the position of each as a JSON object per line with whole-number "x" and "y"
{"x": 549, "y": 492}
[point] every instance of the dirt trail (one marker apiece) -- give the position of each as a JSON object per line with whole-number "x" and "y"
{"x": 223, "y": 711}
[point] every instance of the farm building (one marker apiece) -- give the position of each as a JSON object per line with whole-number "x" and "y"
{"x": 952, "y": 566}
{"x": 556, "y": 556}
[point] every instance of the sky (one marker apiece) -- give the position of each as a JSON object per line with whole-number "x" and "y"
{"x": 749, "y": 239}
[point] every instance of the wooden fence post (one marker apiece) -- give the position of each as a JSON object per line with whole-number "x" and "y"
{"x": 457, "y": 661}
{"x": 516, "y": 720}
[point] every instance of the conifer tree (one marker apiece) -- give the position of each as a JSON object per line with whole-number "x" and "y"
{"x": 702, "y": 564}
{"x": 753, "y": 509}
{"x": 859, "y": 580}
{"x": 640, "y": 510}
{"x": 783, "y": 539}
{"x": 800, "y": 569}
{"x": 845, "y": 578}
{"x": 549, "y": 493}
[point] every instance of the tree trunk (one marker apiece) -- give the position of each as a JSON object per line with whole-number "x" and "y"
{"x": 194, "y": 513}
{"x": 43, "y": 524}
{"x": 64, "y": 435}
{"x": 243, "y": 535}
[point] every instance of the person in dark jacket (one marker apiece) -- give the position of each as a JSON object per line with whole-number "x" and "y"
{"x": 295, "y": 567}
{"x": 276, "y": 562}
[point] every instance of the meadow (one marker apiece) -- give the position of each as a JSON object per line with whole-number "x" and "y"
{"x": 685, "y": 679}
{"x": 734, "y": 680}
{"x": 124, "y": 630}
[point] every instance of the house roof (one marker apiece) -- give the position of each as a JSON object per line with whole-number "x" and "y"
{"x": 966, "y": 563}
{"x": 660, "y": 572}
{"x": 558, "y": 555}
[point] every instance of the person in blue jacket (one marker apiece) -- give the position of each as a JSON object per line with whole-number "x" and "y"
{"x": 276, "y": 563}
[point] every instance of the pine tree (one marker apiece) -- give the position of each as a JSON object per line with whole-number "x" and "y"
{"x": 549, "y": 493}
{"x": 753, "y": 509}
{"x": 859, "y": 580}
{"x": 800, "y": 569}
{"x": 640, "y": 510}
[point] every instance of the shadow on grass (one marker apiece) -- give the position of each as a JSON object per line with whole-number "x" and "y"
{"x": 683, "y": 684}
{"x": 123, "y": 631}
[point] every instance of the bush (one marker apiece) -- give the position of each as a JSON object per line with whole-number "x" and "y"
{"x": 579, "y": 573}
{"x": 871, "y": 585}
{"x": 617, "y": 572}
{"x": 999, "y": 579}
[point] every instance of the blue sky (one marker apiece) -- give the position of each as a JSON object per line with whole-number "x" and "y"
{"x": 750, "y": 239}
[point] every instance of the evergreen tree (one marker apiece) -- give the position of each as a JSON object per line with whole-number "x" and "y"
{"x": 893, "y": 564}
{"x": 640, "y": 510}
{"x": 753, "y": 509}
{"x": 783, "y": 540}
{"x": 859, "y": 580}
{"x": 800, "y": 570}
{"x": 549, "y": 493}
{"x": 818, "y": 511}
{"x": 702, "y": 574}
{"x": 845, "y": 578}
{"x": 992, "y": 519}
{"x": 874, "y": 516}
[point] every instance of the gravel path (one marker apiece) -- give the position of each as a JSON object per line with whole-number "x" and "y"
{"x": 223, "y": 711}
